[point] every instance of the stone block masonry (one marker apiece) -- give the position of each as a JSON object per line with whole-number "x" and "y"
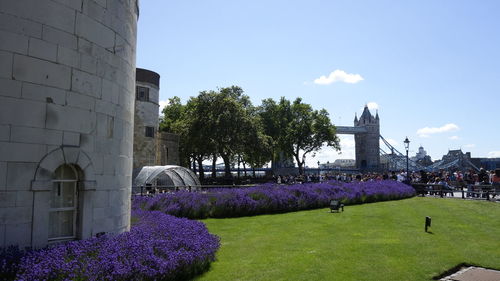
{"x": 67, "y": 84}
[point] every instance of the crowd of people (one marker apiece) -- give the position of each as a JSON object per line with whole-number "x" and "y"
{"x": 446, "y": 178}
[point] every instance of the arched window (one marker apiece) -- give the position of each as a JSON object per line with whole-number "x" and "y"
{"x": 63, "y": 205}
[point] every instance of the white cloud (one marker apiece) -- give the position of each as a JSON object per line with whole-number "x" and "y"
{"x": 454, "y": 138}
{"x": 372, "y": 105}
{"x": 494, "y": 154}
{"x": 425, "y": 132}
{"x": 338, "y": 76}
{"x": 162, "y": 103}
{"x": 470, "y": 145}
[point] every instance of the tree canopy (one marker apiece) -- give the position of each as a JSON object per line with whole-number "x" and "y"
{"x": 296, "y": 129}
{"x": 224, "y": 123}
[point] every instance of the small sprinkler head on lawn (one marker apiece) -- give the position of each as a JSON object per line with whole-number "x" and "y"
{"x": 427, "y": 223}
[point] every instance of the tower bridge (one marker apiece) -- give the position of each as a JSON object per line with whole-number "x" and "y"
{"x": 367, "y": 137}
{"x": 344, "y": 130}
{"x": 366, "y": 131}
{"x": 373, "y": 151}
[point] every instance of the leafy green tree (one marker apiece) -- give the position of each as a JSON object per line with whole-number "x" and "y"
{"x": 276, "y": 117}
{"x": 197, "y": 132}
{"x": 172, "y": 113}
{"x": 224, "y": 123}
{"x": 296, "y": 129}
{"x": 173, "y": 121}
{"x": 230, "y": 122}
{"x": 258, "y": 149}
{"x": 188, "y": 122}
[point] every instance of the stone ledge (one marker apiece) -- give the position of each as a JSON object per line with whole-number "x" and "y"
{"x": 40, "y": 185}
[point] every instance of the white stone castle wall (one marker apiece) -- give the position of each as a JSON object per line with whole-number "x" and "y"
{"x": 148, "y": 111}
{"x": 67, "y": 79}
{"x": 146, "y": 115}
{"x": 167, "y": 149}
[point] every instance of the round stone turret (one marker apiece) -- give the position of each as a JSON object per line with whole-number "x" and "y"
{"x": 67, "y": 89}
{"x": 146, "y": 119}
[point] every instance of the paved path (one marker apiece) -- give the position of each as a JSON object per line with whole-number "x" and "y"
{"x": 458, "y": 194}
{"x": 474, "y": 274}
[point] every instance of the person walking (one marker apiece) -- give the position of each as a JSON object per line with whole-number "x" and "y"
{"x": 495, "y": 181}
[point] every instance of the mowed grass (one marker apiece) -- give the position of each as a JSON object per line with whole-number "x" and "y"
{"x": 378, "y": 241}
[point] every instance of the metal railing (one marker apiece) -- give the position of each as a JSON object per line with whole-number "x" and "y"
{"x": 468, "y": 191}
{"x": 157, "y": 189}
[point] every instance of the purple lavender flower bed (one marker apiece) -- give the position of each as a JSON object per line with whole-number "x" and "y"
{"x": 268, "y": 199}
{"x": 158, "y": 247}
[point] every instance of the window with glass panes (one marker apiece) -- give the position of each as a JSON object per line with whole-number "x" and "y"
{"x": 63, "y": 205}
{"x": 150, "y": 132}
{"x": 142, "y": 93}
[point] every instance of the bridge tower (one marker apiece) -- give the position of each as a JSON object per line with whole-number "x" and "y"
{"x": 367, "y": 143}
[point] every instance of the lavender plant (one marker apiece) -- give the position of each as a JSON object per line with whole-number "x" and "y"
{"x": 267, "y": 199}
{"x": 158, "y": 247}
{"x": 162, "y": 247}
{"x": 9, "y": 262}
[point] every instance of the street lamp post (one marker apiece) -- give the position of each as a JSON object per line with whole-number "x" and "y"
{"x": 319, "y": 169}
{"x": 407, "y": 146}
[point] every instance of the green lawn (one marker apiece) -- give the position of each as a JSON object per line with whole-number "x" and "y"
{"x": 378, "y": 241}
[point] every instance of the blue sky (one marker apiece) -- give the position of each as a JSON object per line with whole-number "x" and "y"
{"x": 431, "y": 67}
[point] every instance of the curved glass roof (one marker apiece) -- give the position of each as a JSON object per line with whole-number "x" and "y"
{"x": 169, "y": 175}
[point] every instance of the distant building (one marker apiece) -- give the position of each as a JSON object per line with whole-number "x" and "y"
{"x": 487, "y": 163}
{"x": 339, "y": 163}
{"x": 151, "y": 147}
{"x": 146, "y": 114}
{"x": 454, "y": 160}
{"x": 420, "y": 154}
{"x": 167, "y": 149}
{"x": 422, "y": 158}
{"x": 456, "y": 155}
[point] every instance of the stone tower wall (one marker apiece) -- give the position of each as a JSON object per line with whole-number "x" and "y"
{"x": 368, "y": 144}
{"x": 368, "y": 148}
{"x": 167, "y": 149}
{"x": 67, "y": 77}
{"x": 146, "y": 115}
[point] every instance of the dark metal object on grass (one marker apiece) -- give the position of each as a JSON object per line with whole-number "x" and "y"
{"x": 336, "y": 206}
{"x": 427, "y": 223}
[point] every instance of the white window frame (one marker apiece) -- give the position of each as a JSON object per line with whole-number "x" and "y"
{"x": 74, "y": 208}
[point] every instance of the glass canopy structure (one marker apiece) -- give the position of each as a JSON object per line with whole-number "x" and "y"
{"x": 169, "y": 175}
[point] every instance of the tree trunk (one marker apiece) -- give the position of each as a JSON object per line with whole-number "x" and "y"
{"x": 300, "y": 164}
{"x": 200, "y": 166}
{"x": 239, "y": 162}
{"x": 193, "y": 164}
{"x": 214, "y": 163}
{"x": 244, "y": 168}
{"x": 253, "y": 169}
{"x": 227, "y": 166}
